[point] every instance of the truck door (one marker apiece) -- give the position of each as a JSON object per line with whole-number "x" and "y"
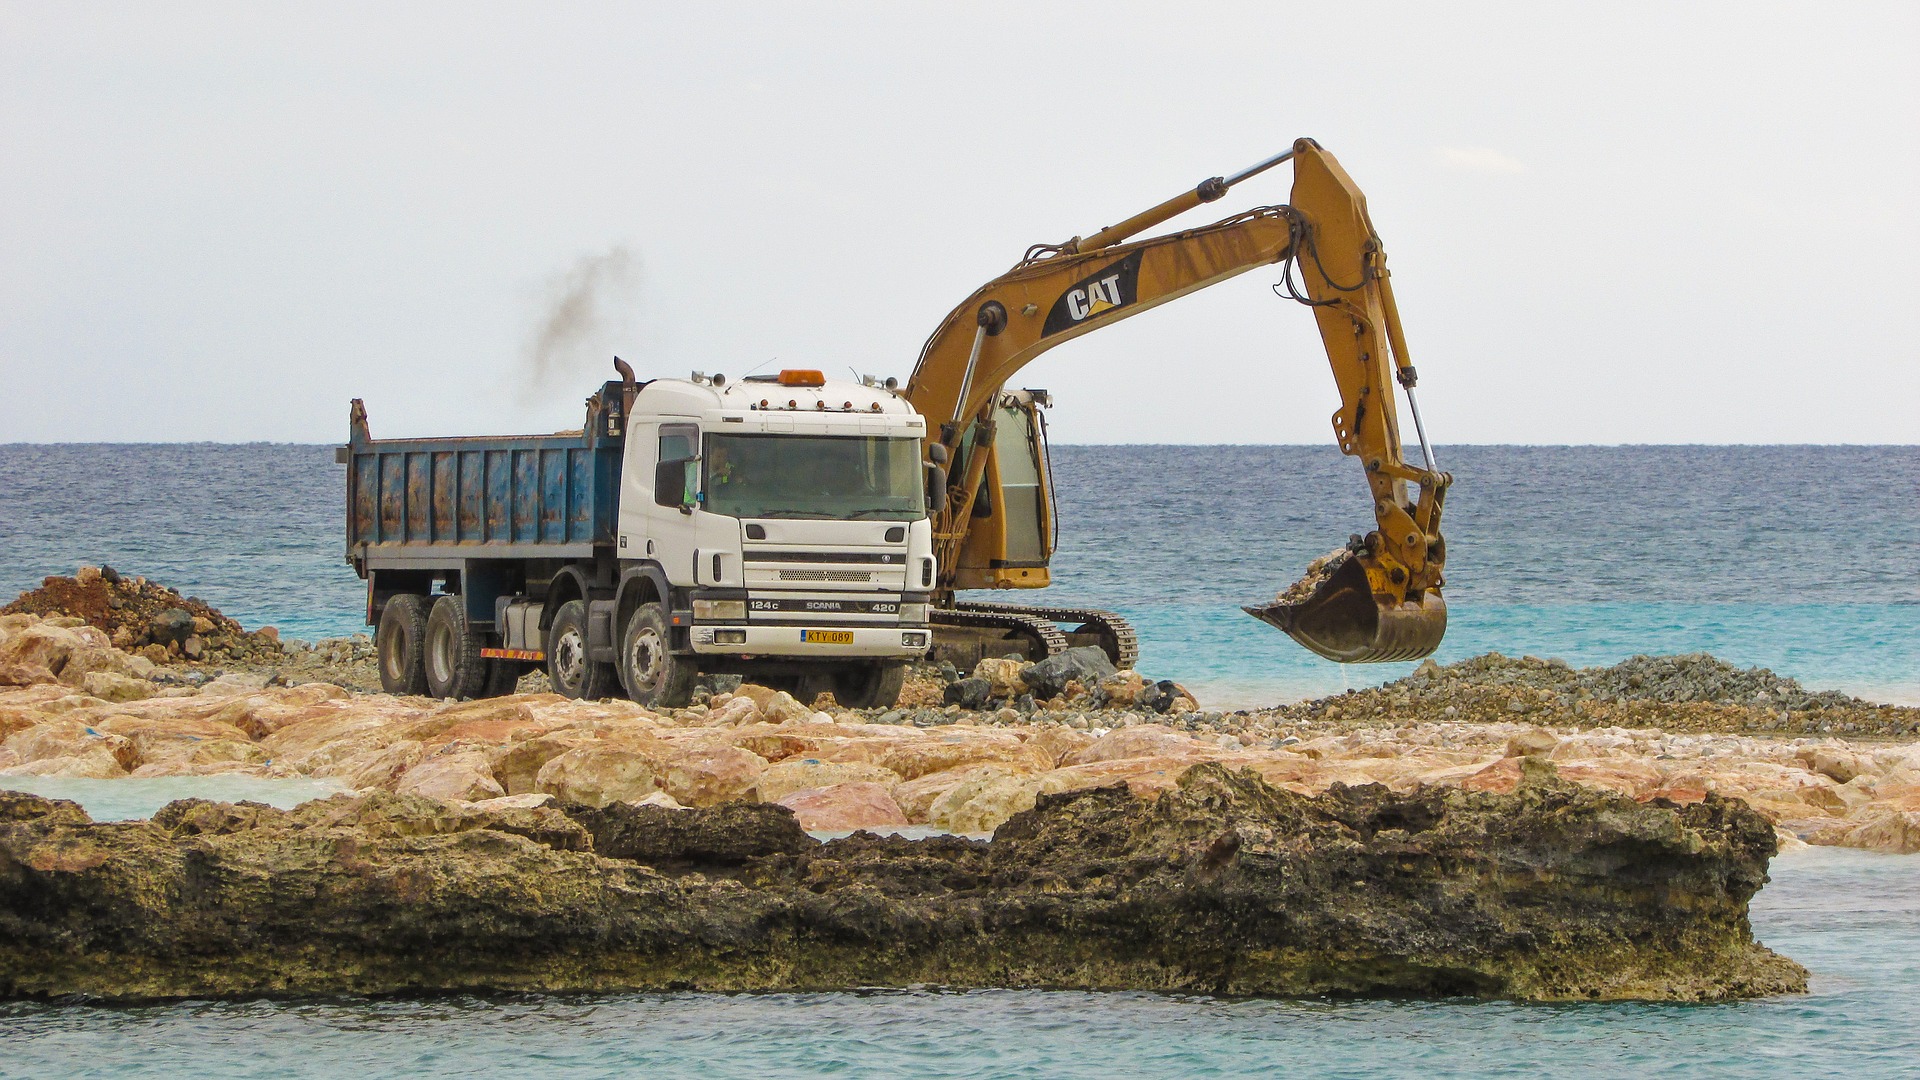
{"x": 670, "y": 530}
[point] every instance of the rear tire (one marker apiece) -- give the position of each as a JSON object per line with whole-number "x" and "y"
{"x": 869, "y": 686}
{"x": 569, "y": 667}
{"x": 653, "y": 674}
{"x": 503, "y": 677}
{"x": 454, "y": 667}
{"x": 400, "y": 645}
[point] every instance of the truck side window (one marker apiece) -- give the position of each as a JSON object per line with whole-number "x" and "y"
{"x": 679, "y": 442}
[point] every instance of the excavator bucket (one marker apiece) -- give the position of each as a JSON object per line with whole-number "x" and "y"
{"x": 1334, "y": 612}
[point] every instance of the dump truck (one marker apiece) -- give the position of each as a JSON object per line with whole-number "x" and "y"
{"x": 775, "y": 528}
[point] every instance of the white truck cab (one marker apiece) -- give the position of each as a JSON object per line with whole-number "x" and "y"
{"x": 786, "y": 517}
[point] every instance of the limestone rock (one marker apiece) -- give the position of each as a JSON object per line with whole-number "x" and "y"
{"x": 1531, "y": 741}
{"x": 108, "y": 686}
{"x": 836, "y": 807}
{"x": 1003, "y": 677}
{"x": 599, "y": 773}
{"x": 983, "y": 801}
{"x": 711, "y": 775}
{"x": 461, "y": 775}
{"x": 800, "y": 773}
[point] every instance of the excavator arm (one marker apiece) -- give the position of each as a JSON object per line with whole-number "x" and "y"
{"x": 1376, "y": 599}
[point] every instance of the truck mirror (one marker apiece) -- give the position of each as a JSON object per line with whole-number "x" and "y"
{"x": 676, "y": 483}
{"x": 938, "y": 452}
{"x": 936, "y": 489}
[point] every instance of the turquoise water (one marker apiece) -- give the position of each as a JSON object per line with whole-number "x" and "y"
{"x": 1864, "y": 649}
{"x": 137, "y": 798}
{"x": 1852, "y": 917}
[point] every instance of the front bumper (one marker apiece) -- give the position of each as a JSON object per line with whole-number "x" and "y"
{"x": 890, "y": 642}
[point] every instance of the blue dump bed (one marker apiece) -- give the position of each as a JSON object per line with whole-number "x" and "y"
{"x": 420, "y": 502}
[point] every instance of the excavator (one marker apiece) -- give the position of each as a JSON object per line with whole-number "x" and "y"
{"x": 1375, "y": 599}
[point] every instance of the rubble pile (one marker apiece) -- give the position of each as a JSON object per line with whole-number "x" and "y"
{"x": 146, "y": 618}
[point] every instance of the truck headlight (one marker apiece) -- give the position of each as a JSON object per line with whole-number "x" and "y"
{"x": 717, "y": 610}
{"x": 913, "y": 613}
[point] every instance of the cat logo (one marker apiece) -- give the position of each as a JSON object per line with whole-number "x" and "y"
{"x": 1113, "y": 286}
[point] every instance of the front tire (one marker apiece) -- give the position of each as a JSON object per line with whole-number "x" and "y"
{"x": 454, "y": 667}
{"x": 869, "y": 686}
{"x": 569, "y": 667}
{"x": 400, "y": 645}
{"x": 653, "y": 674}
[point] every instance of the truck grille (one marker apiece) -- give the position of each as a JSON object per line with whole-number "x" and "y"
{"x": 826, "y": 575}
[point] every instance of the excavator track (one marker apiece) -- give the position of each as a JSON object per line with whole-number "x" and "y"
{"x": 1039, "y": 637}
{"x": 1111, "y": 632}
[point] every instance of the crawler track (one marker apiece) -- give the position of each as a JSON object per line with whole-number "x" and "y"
{"x": 1113, "y": 633}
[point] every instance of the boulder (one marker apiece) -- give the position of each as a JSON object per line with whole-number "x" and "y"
{"x": 1531, "y": 741}
{"x": 1059, "y": 742}
{"x": 1896, "y": 832}
{"x": 972, "y": 692}
{"x": 917, "y": 796}
{"x": 955, "y": 747}
{"x": 783, "y": 778}
{"x": 108, "y": 686}
{"x": 710, "y": 775}
{"x": 172, "y": 626}
{"x": 1085, "y": 664}
{"x": 599, "y": 773}
{"x": 458, "y": 774}
{"x": 1002, "y": 675}
{"x": 982, "y": 801}
{"x": 840, "y": 807}
{"x": 781, "y": 708}
{"x": 1140, "y": 740}
{"x": 736, "y": 712}
{"x": 68, "y": 739}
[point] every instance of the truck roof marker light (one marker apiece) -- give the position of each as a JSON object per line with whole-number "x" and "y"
{"x": 875, "y": 407}
{"x": 792, "y": 404}
{"x": 802, "y": 377}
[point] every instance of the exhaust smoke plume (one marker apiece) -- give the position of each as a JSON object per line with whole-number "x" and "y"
{"x": 589, "y": 314}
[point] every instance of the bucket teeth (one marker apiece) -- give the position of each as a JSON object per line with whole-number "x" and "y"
{"x": 1342, "y": 619}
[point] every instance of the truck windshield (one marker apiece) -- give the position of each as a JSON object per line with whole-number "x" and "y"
{"x": 813, "y": 476}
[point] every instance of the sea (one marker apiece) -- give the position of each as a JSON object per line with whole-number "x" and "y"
{"x": 1794, "y": 558}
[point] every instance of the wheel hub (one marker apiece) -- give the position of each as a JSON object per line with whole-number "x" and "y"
{"x": 570, "y": 658}
{"x": 645, "y": 657}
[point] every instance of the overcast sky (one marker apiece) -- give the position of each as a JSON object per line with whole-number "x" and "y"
{"x": 1608, "y": 223}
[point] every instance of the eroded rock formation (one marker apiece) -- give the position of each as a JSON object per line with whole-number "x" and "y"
{"x": 1224, "y": 884}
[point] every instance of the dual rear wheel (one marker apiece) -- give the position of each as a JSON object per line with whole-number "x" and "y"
{"x": 426, "y": 646}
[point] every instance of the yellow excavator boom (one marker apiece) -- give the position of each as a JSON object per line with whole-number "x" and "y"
{"x": 1377, "y": 599}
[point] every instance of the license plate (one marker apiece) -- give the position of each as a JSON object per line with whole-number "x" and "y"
{"x": 827, "y": 637}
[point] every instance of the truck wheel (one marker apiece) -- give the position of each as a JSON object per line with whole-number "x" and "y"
{"x": 503, "y": 677}
{"x": 869, "y": 686}
{"x": 570, "y": 670}
{"x": 400, "y": 645}
{"x": 653, "y": 674}
{"x": 455, "y": 668}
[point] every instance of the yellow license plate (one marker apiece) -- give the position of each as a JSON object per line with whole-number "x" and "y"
{"x": 827, "y": 637}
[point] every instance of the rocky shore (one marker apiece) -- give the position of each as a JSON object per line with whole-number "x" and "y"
{"x": 1223, "y": 885}
{"x": 538, "y": 820}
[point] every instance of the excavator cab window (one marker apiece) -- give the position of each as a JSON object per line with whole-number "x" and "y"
{"x": 1020, "y": 457}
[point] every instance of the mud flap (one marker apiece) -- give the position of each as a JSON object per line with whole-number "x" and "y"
{"x": 1341, "y": 619}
